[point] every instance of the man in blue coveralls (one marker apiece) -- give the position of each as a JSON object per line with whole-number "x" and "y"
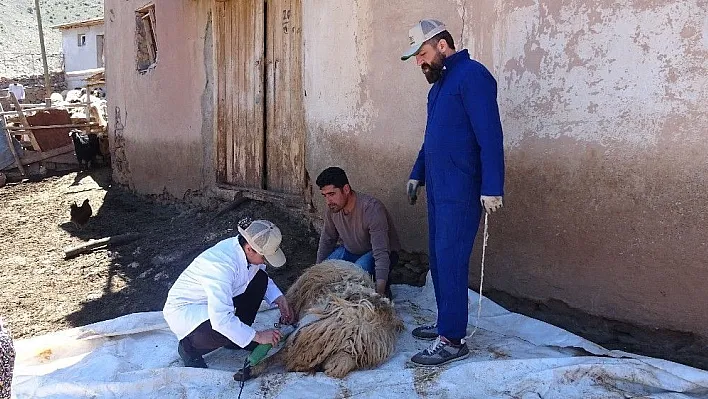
{"x": 461, "y": 164}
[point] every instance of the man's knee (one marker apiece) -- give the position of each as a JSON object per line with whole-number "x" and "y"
{"x": 339, "y": 253}
{"x": 260, "y": 279}
{"x": 367, "y": 262}
{"x": 203, "y": 340}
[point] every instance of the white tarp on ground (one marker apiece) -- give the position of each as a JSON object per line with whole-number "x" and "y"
{"x": 512, "y": 356}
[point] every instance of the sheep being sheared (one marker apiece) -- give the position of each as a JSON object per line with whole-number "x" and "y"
{"x": 354, "y": 327}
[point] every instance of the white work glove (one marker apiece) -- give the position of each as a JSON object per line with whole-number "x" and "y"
{"x": 412, "y": 189}
{"x": 491, "y": 203}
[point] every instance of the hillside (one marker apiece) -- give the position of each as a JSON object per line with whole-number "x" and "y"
{"x": 19, "y": 37}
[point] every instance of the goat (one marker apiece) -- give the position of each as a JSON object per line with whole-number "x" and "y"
{"x": 86, "y": 147}
{"x": 98, "y": 93}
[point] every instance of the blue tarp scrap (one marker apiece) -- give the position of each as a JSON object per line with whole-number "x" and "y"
{"x": 6, "y": 158}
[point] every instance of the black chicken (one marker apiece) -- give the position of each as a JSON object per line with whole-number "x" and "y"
{"x": 80, "y": 214}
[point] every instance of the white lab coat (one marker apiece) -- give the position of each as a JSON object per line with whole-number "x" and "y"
{"x": 205, "y": 291}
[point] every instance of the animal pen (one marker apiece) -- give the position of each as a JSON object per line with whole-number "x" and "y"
{"x": 36, "y": 137}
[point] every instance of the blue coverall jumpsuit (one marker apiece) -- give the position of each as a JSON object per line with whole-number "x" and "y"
{"x": 462, "y": 157}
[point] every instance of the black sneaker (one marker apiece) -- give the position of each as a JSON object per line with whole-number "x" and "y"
{"x": 195, "y": 361}
{"x": 441, "y": 352}
{"x": 426, "y": 333}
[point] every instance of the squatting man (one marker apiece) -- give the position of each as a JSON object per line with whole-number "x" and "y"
{"x": 214, "y": 301}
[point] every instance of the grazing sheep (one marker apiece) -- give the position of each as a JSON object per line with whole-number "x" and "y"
{"x": 56, "y": 99}
{"x": 92, "y": 99}
{"x": 355, "y": 327}
{"x": 96, "y": 113}
{"x": 73, "y": 96}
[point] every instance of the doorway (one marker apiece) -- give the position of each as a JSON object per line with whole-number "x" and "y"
{"x": 260, "y": 130}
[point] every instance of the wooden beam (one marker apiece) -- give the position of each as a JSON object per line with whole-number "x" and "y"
{"x": 15, "y": 128}
{"x": 47, "y": 83}
{"x": 90, "y": 245}
{"x": 72, "y": 105}
{"x": 262, "y": 195}
{"x": 237, "y": 201}
{"x": 28, "y": 105}
{"x": 146, "y": 7}
{"x": 41, "y": 156}
{"x": 63, "y": 106}
{"x": 23, "y": 121}
{"x": 5, "y": 113}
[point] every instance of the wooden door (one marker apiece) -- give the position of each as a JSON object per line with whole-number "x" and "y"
{"x": 285, "y": 124}
{"x": 260, "y": 112}
{"x": 239, "y": 43}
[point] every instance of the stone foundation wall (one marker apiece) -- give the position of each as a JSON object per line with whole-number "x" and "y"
{"x": 34, "y": 87}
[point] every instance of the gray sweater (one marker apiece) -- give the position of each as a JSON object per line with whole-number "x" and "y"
{"x": 367, "y": 228}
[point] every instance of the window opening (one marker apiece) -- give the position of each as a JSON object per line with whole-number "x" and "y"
{"x": 145, "y": 31}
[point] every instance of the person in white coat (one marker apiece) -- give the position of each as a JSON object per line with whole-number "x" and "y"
{"x": 214, "y": 301}
{"x": 18, "y": 90}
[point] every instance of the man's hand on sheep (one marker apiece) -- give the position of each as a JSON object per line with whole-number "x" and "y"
{"x": 286, "y": 313}
{"x": 381, "y": 287}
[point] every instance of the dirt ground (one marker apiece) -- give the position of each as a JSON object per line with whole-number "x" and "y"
{"x": 41, "y": 292}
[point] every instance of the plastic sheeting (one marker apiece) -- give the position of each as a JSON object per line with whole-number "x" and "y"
{"x": 6, "y": 157}
{"x": 512, "y": 356}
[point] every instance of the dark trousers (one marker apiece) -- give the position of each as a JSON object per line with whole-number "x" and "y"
{"x": 452, "y": 227}
{"x": 205, "y": 339}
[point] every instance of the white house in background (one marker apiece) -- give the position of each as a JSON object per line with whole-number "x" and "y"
{"x": 82, "y": 45}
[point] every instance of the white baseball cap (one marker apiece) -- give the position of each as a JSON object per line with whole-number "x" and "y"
{"x": 424, "y": 30}
{"x": 265, "y": 237}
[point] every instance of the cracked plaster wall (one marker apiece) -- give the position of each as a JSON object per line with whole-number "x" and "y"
{"x": 603, "y": 106}
{"x": 605, "y": 117}
{"x": 159, "y": 121}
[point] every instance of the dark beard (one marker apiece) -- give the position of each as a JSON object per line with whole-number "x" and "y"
{"x": 433, "y": 71}
{"x": 432, "y": 75}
